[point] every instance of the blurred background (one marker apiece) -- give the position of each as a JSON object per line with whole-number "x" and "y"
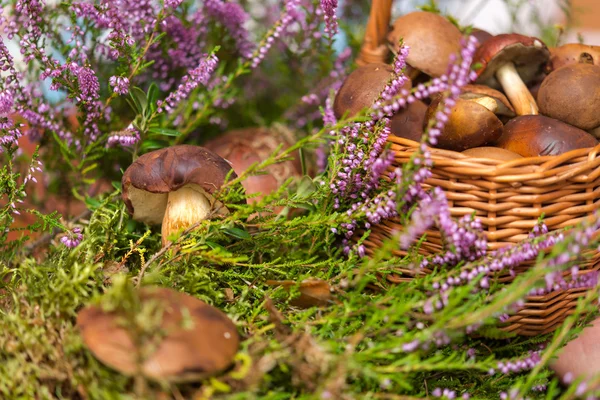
{"x": 554, "y": 21}
{"x": 523, "y": 16}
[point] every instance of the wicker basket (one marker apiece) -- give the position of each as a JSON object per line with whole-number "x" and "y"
{"x": 507, "y": 196}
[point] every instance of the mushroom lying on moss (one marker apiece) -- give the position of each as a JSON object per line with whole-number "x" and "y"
{"x": 195, "y": 340}
{"x": 175, "y": 186}
{"x": 244, "y": 147}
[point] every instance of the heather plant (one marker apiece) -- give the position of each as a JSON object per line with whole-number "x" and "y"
{"x": 96, "y": 84}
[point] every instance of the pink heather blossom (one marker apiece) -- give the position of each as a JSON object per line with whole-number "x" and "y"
{"x": 173, "y": 3}
{"x": 73, "y": 238}
{"x": 125, "y": 138}
{"x": 286, "y": 19}
{"x": 329, "y": 8}
{"x": 88, "y": 84}
{"x": 232, "y": 16}
{"x": 6, "y": 102}
{"x": 197, "y": 76}
{"x": 120, "y": 84}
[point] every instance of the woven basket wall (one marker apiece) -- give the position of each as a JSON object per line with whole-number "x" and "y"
{"x": 508, "y": 198}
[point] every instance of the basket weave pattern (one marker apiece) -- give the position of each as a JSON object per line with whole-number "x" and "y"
{"x": 509, "y": 197}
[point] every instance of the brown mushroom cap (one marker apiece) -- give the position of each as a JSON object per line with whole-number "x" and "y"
{"x": 148, "y": 181}
{"x": 199, "y": 340}
{"x": 481, "y": 35}
{"x": 470, "y": 124}
{"x": 580, "y": 356}
{"x": 362, "y": 88}
{"x": 244, "y": 147}
{"x": 494, "y": 153}
{"x": 538, "y": 135}
{"x": 528, "y": 54}
{"x": 432, "y": 40}
{"x": 408, "y": 122}
{"x": 472, "y": 91}
{"x": 572, "y": 53}
{"x": 572, "y": 94}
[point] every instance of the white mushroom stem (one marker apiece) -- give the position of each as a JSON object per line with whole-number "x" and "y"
{"x": 185, "y": 207}
{"x": 516, "y": 91}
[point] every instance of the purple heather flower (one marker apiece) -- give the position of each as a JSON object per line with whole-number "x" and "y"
{"x": 173, "y": 3}
{"x": 581, "y": 389}
{"x": 88, "y": 84}
{"x": 568, "y": 378}
{"x": 393, "y": 88}
{"x": 539, "y": 388}
{"x": 329, "y": 8}
{"x": 126, "y": 138}
{"x": 6, "y": 102}
{"x": 72, "y": 238}
{"x": 410, "y": 346}
{"x": 516, "y": 366}
{"x": 120, "y": 84}
{"x": 195, "y": 77}
{"x": 232, "y": 16}
{"x": 286, "y": 19}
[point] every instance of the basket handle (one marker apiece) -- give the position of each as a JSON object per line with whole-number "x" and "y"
{"x": 374, "y": 48}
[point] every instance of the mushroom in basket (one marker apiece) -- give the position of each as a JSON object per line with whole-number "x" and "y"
{"x": 471, "y": 123}
{"x": 510, "y": 61}
{"x": 362, "y": 88}
{"x": 572, "y": 53}
{"x": 432, "y": 40}
{"x": 572, "y": 94}
{"x": 175, "y": 186}
{"x": 538, "y": 135}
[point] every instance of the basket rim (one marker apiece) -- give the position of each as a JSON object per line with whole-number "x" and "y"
{"x": 591, "y": 152}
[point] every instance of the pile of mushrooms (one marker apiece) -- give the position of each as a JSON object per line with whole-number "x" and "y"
{"x": 528, "y": 100}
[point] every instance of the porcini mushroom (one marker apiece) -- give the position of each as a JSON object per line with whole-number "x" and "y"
{"x": 194, "y": 341}
{"x": 362, "y": 88}
{"x": 408, "y": 122}
{"x": 572, "y": 94}
{"x": 572, "y": 53}
{"x": 503, "y": 106}
{"x": 244, "y": 147}
{"x": 580, "y": 358}
{"x": 471, "y": 123}
{"x": 432, "y": 40}
{"x": 511, "y": 61}
{"x": 481, "y": 35}
{"x": 175, "y": 186}
{"x": 538, "y": 135}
